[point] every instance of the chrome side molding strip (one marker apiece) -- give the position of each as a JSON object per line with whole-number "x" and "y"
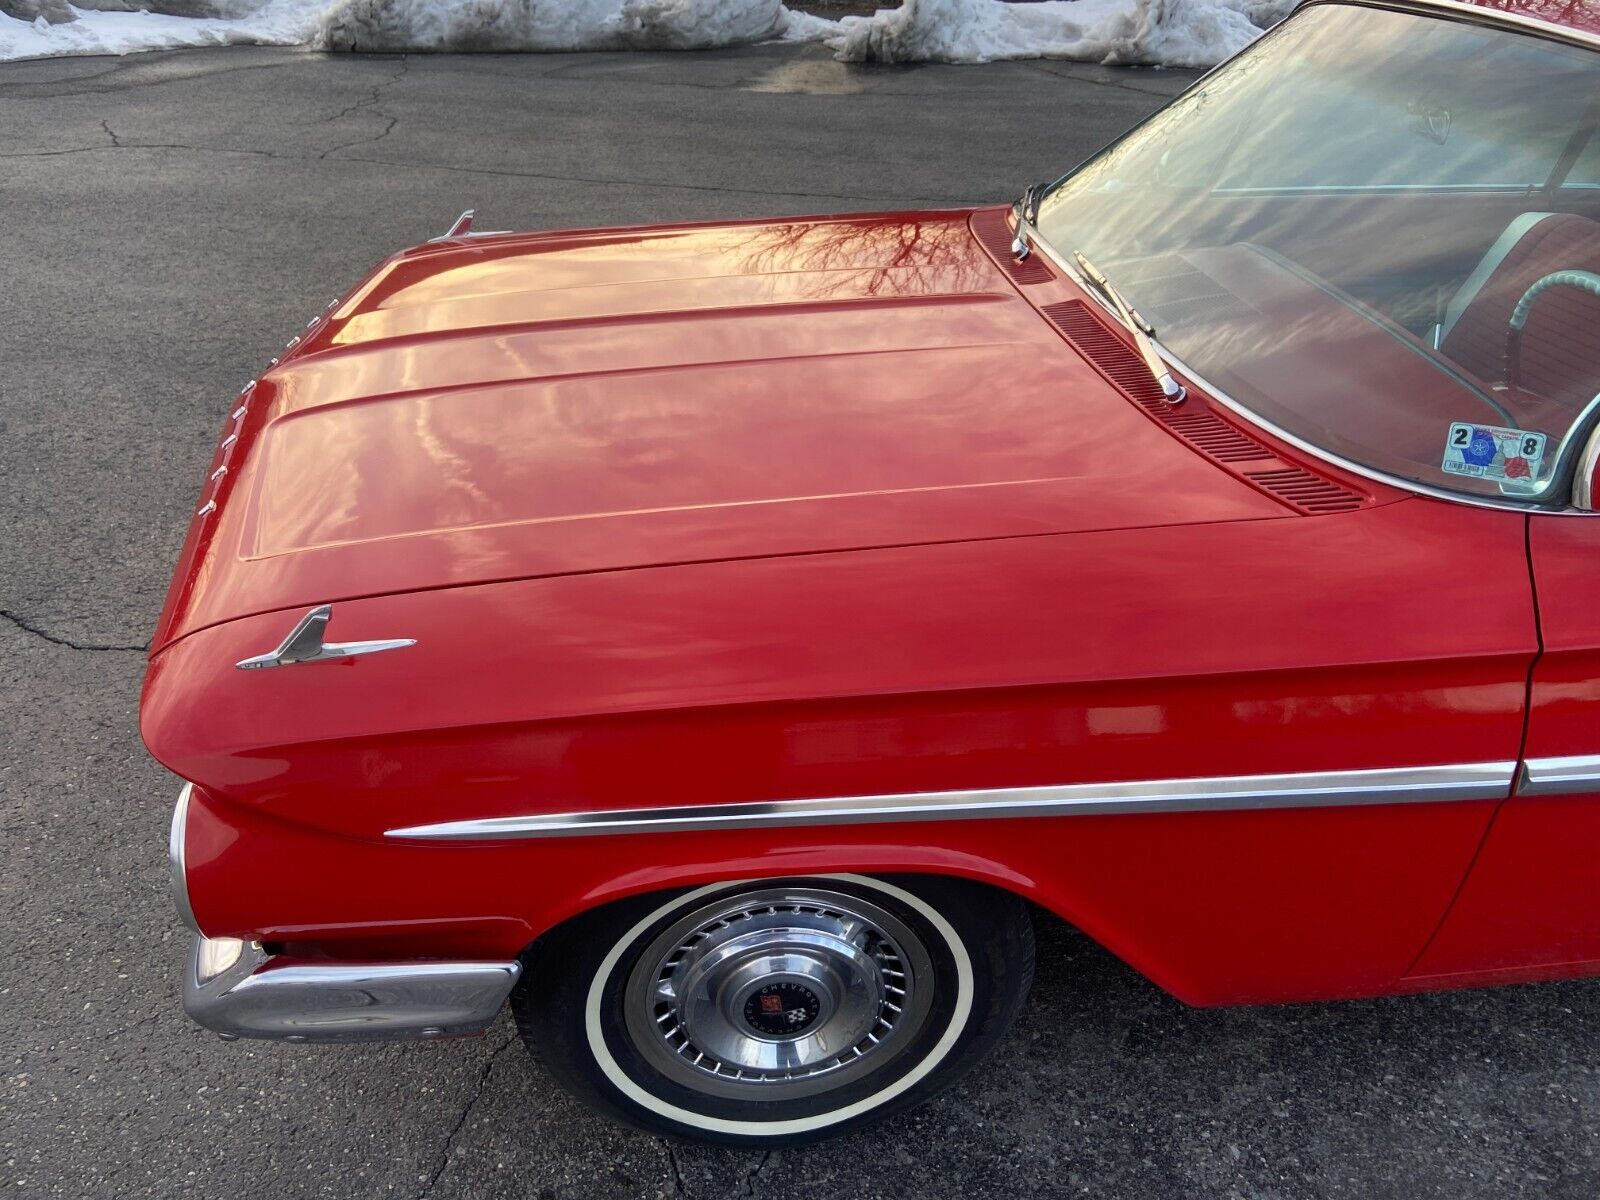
{"x": 1404, "y": 785}
{"x": 1559, "y": 776}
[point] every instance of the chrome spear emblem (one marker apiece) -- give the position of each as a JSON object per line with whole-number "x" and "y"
{"x": 460, "y": 227}
{"x": 305, "y": 645}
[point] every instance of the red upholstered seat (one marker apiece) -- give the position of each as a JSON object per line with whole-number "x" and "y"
{"x": 1560, "y": 349}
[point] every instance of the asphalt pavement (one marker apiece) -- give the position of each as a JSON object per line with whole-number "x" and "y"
{"x": 167, "y": 221}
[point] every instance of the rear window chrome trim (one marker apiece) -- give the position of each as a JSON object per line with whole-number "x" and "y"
{"x": 1314, "y": 789}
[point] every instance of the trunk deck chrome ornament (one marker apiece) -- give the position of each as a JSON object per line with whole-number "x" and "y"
{"x": 305, "y": 645}
{"x": 460, "y": 227}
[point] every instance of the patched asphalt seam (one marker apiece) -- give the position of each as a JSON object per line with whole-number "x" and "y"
{"x": 27, "y": 626}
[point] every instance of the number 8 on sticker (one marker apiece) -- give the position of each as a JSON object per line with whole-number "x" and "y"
{"x": 1511, "y": 457}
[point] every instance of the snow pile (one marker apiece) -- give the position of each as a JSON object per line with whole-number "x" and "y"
{"x": 1174, "y": 32}
{"x": 1181, "y": 33}
{"x": 119, "y": 31}
{"x": 448, "y": 25}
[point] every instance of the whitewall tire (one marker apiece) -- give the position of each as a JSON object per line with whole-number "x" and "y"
{"x": 770, "y": 1012}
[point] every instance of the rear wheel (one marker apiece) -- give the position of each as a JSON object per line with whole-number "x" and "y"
{"x": 773, "y": 1012}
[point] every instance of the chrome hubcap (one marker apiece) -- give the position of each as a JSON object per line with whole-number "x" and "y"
{"x": 778, "y": 993}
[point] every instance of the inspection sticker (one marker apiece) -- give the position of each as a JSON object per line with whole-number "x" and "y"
{"x": 1489, "y": 452}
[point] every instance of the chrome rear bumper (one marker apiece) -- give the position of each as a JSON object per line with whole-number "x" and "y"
{"x": 175, "y": 857}
{"x": 238, "y": 990}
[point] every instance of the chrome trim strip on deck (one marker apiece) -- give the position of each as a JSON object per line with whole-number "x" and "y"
{"x": 175, "y": 860}
{"x": 1403, "y": 785}
{"x": 1560, "y": 776}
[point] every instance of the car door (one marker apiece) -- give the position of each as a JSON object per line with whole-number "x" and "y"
{"x": 1530, "y": 908}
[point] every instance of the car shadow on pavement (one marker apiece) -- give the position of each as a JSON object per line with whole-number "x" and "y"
{"x": 1107, "y": 1086}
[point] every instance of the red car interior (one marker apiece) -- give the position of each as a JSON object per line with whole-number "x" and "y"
{"x": 1556, "y": 366}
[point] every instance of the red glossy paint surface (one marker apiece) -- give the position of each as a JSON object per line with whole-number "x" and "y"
{"x": 1216, "y": 633}
{"x": 562, "y": 403}
{"x": 1532, "y": 903}
{"x": 1149, "y": 653}
{"x": 1180, "y": 897}
{"x": 824, "y": 507}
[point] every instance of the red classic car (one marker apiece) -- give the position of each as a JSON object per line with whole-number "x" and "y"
{"x": 713, "y": 639}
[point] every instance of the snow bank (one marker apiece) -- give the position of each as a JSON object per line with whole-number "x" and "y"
{"x": 1174, "y": 32}
{"x": 1180, "y": 33}
{"x": 515, "y": 25}
{"x": 274, "y": 23}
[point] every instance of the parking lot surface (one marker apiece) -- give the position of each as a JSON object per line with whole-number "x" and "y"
{"x": 166, "y": 222}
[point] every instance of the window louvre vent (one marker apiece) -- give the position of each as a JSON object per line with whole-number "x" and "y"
{"x": 1110, "y": 354}
{"x": 1223, "y": 443}
{"x": 1213, "y": 436}
{"x": 1305, "y": 491}
{"x": 994, "y": 234}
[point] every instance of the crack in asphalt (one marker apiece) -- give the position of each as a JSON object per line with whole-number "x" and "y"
{"x": 121, "y": 145}
{"x": 27, "y": 626}
{"x": 370, "y": 106}
{"x": 748, "y": 1186}
{"x": 645, "y": 183}
{"x": 660, "y": 185}
{"x": 161, "y": 68}
{"x": 377, "y": 92}
{"x": 747, "y": 1182}
{"x": 1043, "y": 68}
{"x": 443, "y": 1159}
{"x": 641, "y": 183}
{"x": 53, "y": 153}
{"x": 678, "y": 1186}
